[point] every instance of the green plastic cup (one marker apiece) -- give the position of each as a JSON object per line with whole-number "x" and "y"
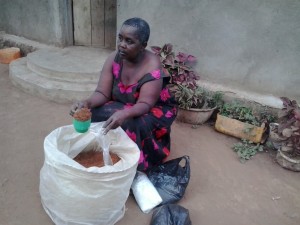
{"x": 81, "y": 126}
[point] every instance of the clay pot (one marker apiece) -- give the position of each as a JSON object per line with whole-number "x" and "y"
{"x": 9, "y": 54}
{"x": 286, "y": 162}
{"x": 194, "y": 116}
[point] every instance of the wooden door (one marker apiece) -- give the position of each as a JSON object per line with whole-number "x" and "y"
{"x": 95, "y": 23}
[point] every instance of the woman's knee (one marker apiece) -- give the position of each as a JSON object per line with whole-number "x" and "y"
{"x": 98, "y": 115}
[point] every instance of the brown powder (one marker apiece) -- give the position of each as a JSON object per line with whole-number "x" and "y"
{"x": 94, "y": 158}
{"x": 82, "y": 114}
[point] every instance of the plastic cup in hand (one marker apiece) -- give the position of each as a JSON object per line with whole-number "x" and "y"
{"x": 81, "y": 126}
{"x": 82, "y": 120}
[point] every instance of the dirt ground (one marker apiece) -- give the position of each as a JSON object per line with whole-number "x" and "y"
{"x": 222, "y": 191}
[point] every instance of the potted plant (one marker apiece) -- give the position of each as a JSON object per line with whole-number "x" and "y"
{"x": 240, "y": 121}
{"x": 288, "y": 134}
{"x": 196, "y": 104}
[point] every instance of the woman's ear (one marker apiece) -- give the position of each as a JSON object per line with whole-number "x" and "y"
{"x": 144, "y": 44}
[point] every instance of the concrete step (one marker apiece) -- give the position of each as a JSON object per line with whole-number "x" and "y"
{"x": 61, "y": 75}
{"x": 45, "y": 87}
{"x": 81, "y": 64}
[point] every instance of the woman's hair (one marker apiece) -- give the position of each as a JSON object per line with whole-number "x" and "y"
{"x": 143, "y": 30}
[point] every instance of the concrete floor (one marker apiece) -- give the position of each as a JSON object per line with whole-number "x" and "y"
{"x": 222, "y": 191}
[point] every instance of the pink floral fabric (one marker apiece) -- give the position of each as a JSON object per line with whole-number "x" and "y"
{"x": 125, "y": 89}
{"x": 116, "y": 69}
{"x": 151, "y": 131}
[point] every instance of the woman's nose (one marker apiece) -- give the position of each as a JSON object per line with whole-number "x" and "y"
{"x": 122, "y": 44}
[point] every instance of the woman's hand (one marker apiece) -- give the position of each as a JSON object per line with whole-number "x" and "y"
{"x": 115, "y": 120}
{"x": 78, "y": 105}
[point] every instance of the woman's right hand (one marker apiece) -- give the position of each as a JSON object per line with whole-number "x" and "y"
{"x": 115, "y": 120}
{"x": 77, "y": 105}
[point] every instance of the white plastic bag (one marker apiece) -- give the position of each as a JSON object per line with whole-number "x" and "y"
{"x": 72, "y": 194}
{"x": 145, "y": 193}
{"x": 104, "y": 143}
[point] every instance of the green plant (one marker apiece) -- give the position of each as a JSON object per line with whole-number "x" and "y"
{"x": 179, "y": 67}
{"x": 190, "y": 98}
{"x": 216, "y": 99}
{"x": 236, "y": 110}
{"x": 247, "y": 149}
{"x": 199, "y": 98}
{"x": 265, "y": 116}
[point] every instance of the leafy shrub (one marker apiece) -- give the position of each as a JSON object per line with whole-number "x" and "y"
{"x": 247, "y": 149}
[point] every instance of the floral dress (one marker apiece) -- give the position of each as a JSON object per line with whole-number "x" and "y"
{"x": 151, "y": 131}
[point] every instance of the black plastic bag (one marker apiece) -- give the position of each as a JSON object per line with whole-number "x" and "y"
{"x": 171, "y": 214}
{"x": 171, "y": 179}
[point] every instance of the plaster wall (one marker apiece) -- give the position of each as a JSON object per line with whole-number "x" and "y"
{"x": 249, "y": 45}
{"x": 46, "y": 21}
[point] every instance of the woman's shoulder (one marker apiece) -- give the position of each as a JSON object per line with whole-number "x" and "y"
{"x": 110, "y": 60}
{"x": 152, "y": 69}
{"x": 152, "y": 61}
{"x": 113, "y": 57}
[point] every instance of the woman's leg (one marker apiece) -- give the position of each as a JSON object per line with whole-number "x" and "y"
{"x": 149, "y": 132}
{"x": 152, "y": 135}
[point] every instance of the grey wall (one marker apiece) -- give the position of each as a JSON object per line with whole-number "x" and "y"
{"x": 253, "y": 45}
{"x": 47, "y": 21}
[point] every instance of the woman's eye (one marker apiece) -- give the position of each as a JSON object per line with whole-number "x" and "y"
{"x": 120, "y": 38}
{"x": 129, "y": 41}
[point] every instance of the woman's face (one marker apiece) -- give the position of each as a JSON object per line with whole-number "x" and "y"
{"x": 129, "y": 45}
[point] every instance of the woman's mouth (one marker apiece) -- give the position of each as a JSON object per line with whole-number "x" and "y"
{"x": 122, "y": 53}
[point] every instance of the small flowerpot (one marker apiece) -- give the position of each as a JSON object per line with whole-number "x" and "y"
{"x": 81, "y": 126}
{"x": 286, "y": 162}
{"x": 9, "y": 54}
{"x": 239, "y": 129}
{"x": 194, "y": 116}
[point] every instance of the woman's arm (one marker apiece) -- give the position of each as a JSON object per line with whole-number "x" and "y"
{"x": 149, "y": 94}
{"x": 102, "y": 93}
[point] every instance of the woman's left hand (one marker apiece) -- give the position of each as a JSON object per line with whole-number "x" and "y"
{"x": 114, "y": 121}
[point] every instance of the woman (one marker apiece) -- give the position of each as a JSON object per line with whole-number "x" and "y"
{"x": 132, "y": 93}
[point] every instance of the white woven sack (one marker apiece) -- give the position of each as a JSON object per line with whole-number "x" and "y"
{"x": 72, "y": 194}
